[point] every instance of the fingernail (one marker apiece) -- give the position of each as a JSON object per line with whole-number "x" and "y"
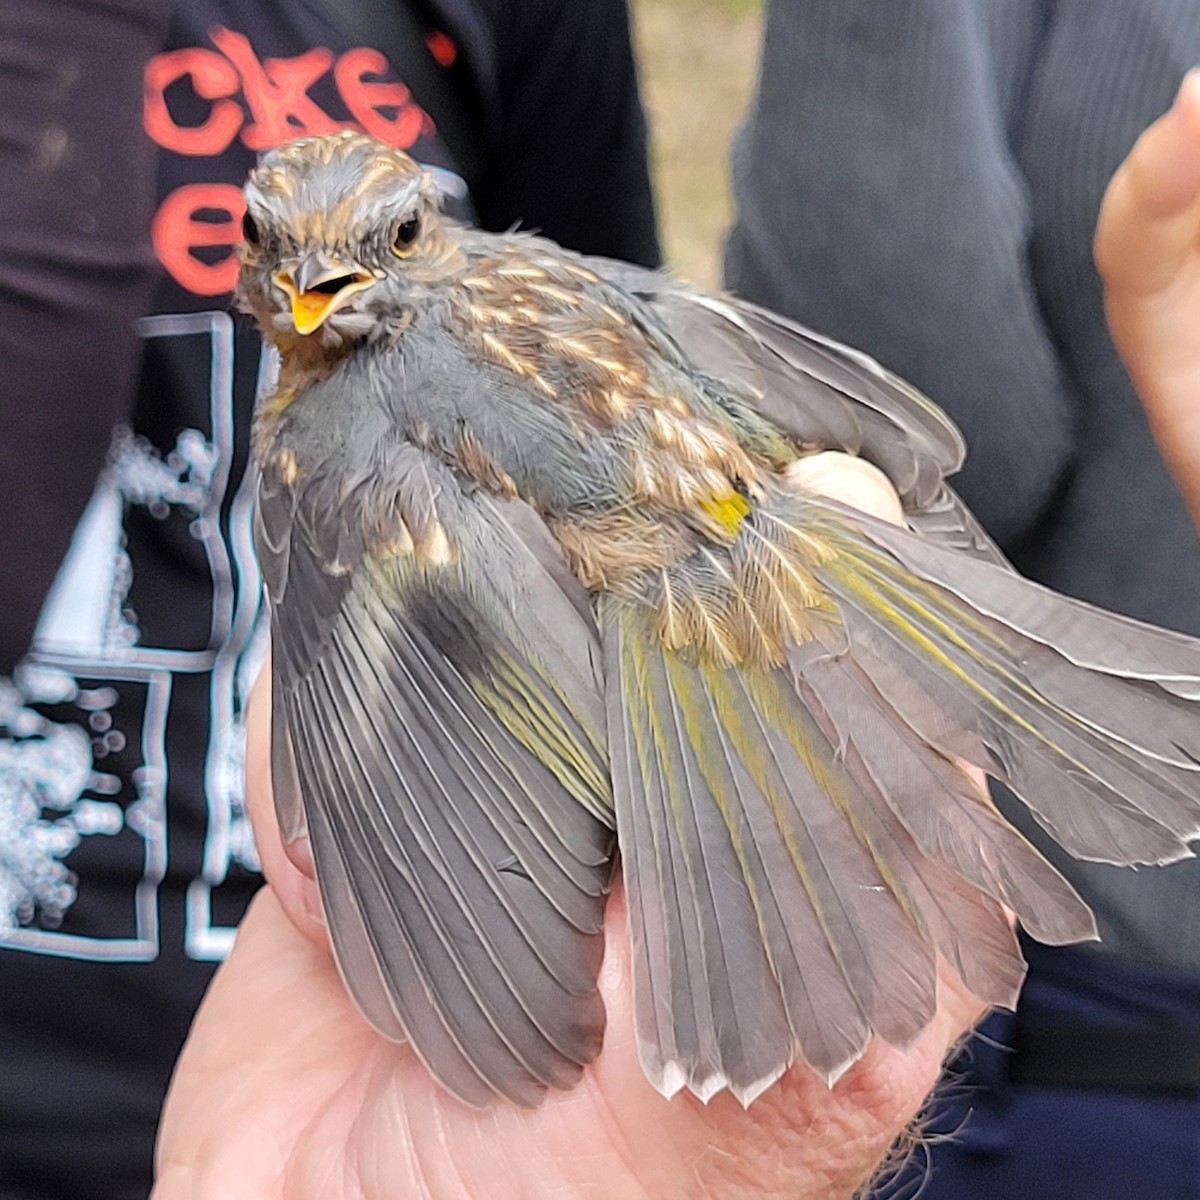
{"x": 314, "y": 909}
{"x": 300, "y": 855}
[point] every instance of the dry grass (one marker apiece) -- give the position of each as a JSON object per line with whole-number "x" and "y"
{"x": 698, "y": 61}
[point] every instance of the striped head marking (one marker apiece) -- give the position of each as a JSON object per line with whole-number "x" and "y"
{"x": 338, "y": 231}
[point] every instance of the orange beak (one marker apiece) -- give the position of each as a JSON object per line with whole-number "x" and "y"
{"x": 318, "y": 286}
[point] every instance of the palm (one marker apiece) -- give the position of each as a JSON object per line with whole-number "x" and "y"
{"x": 285, "y": 1091}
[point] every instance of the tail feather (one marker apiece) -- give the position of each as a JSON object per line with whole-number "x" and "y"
{"x": 863, "y": 914}
{"x": 694, "y": 937}
{"x": 799, "y": 843}
{"x": 828, "y": 1022}
{"x": 1103, "y": 795}
{"x": 764, "y": 928}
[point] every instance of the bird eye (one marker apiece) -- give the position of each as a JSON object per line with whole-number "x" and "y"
{"x": 250, "y": 229}
{"x": 406, "y": 235}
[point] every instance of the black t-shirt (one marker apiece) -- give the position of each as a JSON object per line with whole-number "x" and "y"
{"x": 125, "y": 857}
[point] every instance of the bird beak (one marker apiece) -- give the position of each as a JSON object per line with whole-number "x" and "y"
{"x": 318, "y": 286}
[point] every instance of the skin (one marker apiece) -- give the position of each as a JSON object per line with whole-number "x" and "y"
{"x": 1148, "y": 253}
{"x": 284, "y": 1093}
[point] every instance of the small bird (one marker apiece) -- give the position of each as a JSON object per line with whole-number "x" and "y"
{"x": 546, "y": 575}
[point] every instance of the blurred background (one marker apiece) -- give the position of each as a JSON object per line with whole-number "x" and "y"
{"x": 698, "y": 61}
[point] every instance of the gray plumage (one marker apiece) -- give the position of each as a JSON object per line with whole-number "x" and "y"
{"x": 541, "y": 572}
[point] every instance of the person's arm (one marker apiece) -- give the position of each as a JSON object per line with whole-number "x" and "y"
{"x": 879, "y": 201}
{"x": 570, "y": 158}
{"x": 76, "y": 195}
{"x": 284, "y": 1091}
{"x": 1148, "y": 253}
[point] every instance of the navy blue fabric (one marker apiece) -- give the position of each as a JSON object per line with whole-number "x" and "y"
{"x": 990, "y": 1139}
{"x": 1052, "y": 1144}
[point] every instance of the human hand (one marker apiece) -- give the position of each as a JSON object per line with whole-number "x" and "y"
{"x": 1148, "y": 253}
{"x": 284, "y": 1091}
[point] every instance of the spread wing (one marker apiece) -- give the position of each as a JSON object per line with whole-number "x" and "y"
{"x": 447, "y": 758}
{"x": 822, "y": 394}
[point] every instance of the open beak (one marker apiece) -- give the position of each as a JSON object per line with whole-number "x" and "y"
{"x": 318, "y": 285}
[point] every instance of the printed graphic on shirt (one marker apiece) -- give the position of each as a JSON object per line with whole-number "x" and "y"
{"x": 104, "y": 727}
{"x": 89, "y": 657}
{"x": 56, "y": 793}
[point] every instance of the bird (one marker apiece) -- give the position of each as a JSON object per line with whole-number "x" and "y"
{"x": 552, "y": 596}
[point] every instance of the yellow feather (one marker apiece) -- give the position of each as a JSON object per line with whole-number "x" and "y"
{"x": 872, "y": 590}
{"x": 728, "y": 511}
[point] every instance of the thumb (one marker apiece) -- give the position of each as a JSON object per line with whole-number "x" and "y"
{"x": 850, "y": 480}
{"x": 289, "y": 869}
{"x": 1150, "y": 217}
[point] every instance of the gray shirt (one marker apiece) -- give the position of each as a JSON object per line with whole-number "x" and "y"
{"x": 921, "y": 178}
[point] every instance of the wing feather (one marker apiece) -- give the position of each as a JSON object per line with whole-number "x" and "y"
{"x": 820, "y": 393}
{"x": 1112, "y": 779}
{"x": 801, "y": 840}
{"x": 438, "y": 714}
{"x": 763, "y": 928}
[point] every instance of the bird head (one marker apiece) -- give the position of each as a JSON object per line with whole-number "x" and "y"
{"x": 340, "y": 234}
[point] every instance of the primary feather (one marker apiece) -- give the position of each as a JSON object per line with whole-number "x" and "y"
{"x": 541, "y": 572}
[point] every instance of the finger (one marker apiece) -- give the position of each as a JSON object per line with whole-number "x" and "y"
{"x": 850, "y": 480}
{"x": 288, "y": 869}
{"x": 1148, "y": 253}
{"x": 615, "y": 1137}
{"x": 1150, "y": 217}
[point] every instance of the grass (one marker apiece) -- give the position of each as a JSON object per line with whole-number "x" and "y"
{"x": 698, "y": 60}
